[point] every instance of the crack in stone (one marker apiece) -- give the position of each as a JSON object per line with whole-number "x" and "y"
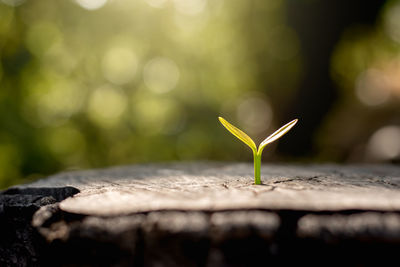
{"x": 225, "y": 186}
{"x": 314, "y": 178}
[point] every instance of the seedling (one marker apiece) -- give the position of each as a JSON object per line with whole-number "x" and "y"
{"x": 248, "y": 141}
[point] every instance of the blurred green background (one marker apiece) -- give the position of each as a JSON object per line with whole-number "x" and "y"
{"x": 93, "y": 83}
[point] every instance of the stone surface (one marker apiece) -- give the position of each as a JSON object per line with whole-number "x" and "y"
{"x": 207, "y": 186}
{"x": 203, "y": 214}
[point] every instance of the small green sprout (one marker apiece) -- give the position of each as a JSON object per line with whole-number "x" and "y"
{"x": 248, "y": 141}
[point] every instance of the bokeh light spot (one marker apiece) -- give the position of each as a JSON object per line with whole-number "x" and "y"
{"x": 119, "y": 65}
{"x": 91, "y": 4}
{"x": 157, "y": 116}
{"x": 190, "y": 7}
{"x": 161, "y": 75}
{"x": 255, "y": 114}
{"x": 60, "y": 60}
{"x": 385, "y": 143}
{"x": 156, "y": 3}
{"x": 106, "y": 106}
{"x": 190, "y": 25}
{"x": 41, "y": 37}
{"x": 371, "y": 88}
{"x": 392, "y": 22}
{"x": 55, "y": 101}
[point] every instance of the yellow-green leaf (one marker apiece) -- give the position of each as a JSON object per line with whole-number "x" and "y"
{"x": 239, "y": 134}
{"x": 277, "y": 134}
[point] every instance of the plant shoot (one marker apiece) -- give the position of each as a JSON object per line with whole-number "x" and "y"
{"x": 242, "y": 136}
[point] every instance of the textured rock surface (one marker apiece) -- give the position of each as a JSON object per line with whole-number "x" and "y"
{"x": 203, "y": 214}
{"x": 207, "y": 186}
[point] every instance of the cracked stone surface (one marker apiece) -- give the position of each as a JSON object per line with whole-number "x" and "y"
{"x": 211, "y": 186}
{"x": 203, "y": 214}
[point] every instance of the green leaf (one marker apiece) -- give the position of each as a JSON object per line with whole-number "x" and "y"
{"x": 239, "y": 134}
{"x": 276, "y": 135}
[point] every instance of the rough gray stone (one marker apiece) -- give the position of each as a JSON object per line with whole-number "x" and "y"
{"x": 211, "y": 186}
{"x": 203, "y": 214}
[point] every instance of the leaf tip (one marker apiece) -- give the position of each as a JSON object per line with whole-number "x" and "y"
{"x": 222, "y": 120}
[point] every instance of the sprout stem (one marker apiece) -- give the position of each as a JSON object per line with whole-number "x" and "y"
{"x": 257, "y": 167}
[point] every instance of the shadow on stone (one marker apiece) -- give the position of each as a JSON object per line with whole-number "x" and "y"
{"x": 19, "y": 240}
{"x": 58, "y": 193}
